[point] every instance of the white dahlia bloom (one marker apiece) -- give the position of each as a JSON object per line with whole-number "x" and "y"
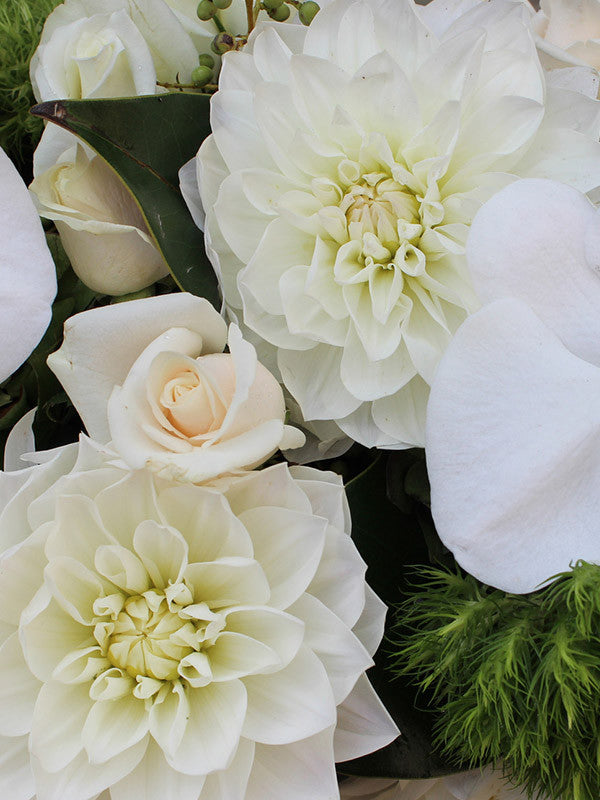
{"x": 485, "y": 784}
{"x": 345, "y": 166}
{"x": 171, "y": 642}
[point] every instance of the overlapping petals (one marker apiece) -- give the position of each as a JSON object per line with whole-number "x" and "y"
{"x": 513, "y": 439}
{"x": 163, "y": 640}
{"x": 345, "y": 167}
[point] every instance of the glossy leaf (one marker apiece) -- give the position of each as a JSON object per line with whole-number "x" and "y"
{"x": 392, "y": 543}
{"x": 146, "y": 140}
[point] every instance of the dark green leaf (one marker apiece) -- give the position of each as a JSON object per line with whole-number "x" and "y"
{"x": 146, "y": 140}
{"x": 391, "y": 542}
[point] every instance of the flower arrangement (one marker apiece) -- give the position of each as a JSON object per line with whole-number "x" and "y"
{"x": 299, "y": 378}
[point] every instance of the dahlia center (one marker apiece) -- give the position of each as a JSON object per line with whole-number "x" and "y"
{"x": 151, "y": 637}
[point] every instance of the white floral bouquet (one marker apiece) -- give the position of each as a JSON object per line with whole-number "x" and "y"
{"x": 300, "y": 400}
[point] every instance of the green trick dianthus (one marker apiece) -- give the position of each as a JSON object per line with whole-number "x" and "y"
{"x": 512, "y": 678}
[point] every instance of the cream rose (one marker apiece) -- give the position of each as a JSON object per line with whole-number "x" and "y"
{"x": 193, "y": 417}
{"x": 101, "y": 226}
{"x": 151, "y": 375}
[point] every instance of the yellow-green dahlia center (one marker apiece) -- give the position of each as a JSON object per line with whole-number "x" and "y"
{"x": 153, "y": 636}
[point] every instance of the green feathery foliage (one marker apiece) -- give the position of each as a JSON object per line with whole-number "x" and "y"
{"x": 512, "y": 678}
{"x": 21, "y": 23}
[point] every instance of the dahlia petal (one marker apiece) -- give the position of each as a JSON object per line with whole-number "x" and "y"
{"x": 326, "y": 493}
{"x": 296, "y": 771}
{"x": 339, "y": 582}
{"x": 18, "y": 690}
{"x": 58, "y": 720}
{"x": 154, "y": 779}
{"x": 16, "y": 776}
{"x": 80, "y": 779}
{"x": 162, "y": 550}
{"x": 113, "y": 726}
{"x": 291, "y": 704}
{"x": 49, "y": 634}
{"x": 363, "y": 724}
{"x": 265, "y": 487}
{"x": 228, "y": 581}
{"x": 231, "y": 783}
{"x": 339, "y": 650}
{"x": 288, "y": 545}
{"x": 213, "y": 729}
{"x": 502, "y": 499}
{"x": 211, "y": 530}
{"x": 278, "y": 630}
{"x": 370, "y": 626}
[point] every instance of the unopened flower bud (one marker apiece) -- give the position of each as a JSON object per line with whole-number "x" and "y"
{"x": 206, "y": 10}
{"x": 308, "y": 11}
{"x": 280, "y": 14}
{"x": 222, "y": 4}
{"x": 206, "y": 60}
{"x": 201, "y": 75}
{"x": 271, "y": 5}
{"x": 222, "y": 43}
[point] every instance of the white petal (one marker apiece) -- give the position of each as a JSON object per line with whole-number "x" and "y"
{"x": 340, "y": 651}
{"x": 154, "y": 779}
{"x": 213, "y": 729}
{"x": 339, "y": 582}
{"x": 59, "y": 716}
{"x": 326, "y": 493}
{"x": 27, "y": 274}
{"x": 296, "y": 771}
{"x": 371, "y": 624}
{"x": 230, "y": 783}
{"x": 20, "y": 441}
{"x": 80, "y": 779}
{"x": 291, "y": 704}
{"x": 280, "y": 631}
{"x": 288, "y": 545}
{"x": 516, "y": 251}
{"x": 113, "y": 726}
{"x": 163, "y": 551}
{"x": 18, "y": 690}
{"x": 274, "y": 485}
{"x": 513, "y": 450}
{"x": 363, "y": 723}
{"x": 101, "y": 345}
{"x": 16, "y": 777}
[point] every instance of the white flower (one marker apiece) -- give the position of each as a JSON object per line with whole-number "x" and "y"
{"x": 169, "y": 642}
{"x": 27, "y": 274}
{"x": 486, "y": 784}
{"x": 569, "y": 31}
{"x": 345, "y": 166}
{"x": 166, "y": 394}
{"x": 100, "y": 225}
{"x": 513, "y": 435}
{"x": 109, "y": 48}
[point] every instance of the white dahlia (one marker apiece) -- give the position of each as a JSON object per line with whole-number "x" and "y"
{"x": 344, "y": 168}
{"x": 170, "y": 642}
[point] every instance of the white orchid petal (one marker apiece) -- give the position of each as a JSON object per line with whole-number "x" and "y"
{"x": 516, "y": 251}
{"x": 503, "y": 498}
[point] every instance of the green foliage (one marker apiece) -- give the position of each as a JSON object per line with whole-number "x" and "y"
{"x": 146, "y": 140}
{"x": 390, "y": 541}
{"x": 512, "y": 677}
{"x": 21, "y": 23}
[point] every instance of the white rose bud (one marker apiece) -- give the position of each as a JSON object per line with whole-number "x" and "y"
{"x": 117, "y": 48}
{"x": 194, "y": 417}
{"x": 101, "y": 227}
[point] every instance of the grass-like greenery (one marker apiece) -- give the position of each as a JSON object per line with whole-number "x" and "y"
{"x": 21, "y": 23}
{"x": 512, "y": 678}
